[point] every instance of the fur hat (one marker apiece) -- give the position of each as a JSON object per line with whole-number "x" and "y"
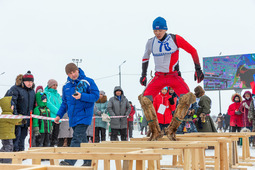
{"x": 28, "y": 77}
{"x": 236, "y": 95}
{"x": 199, "y": 91}
{"x": 71, "y": 67}
{"x": 51, "y": 82}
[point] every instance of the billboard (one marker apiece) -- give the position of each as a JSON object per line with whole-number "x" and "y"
{"x": 229, "y": 72}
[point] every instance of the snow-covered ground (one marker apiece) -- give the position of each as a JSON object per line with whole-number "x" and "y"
{"x": 166, "y": 159}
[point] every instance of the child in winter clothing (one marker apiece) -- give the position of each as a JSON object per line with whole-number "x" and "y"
{"x": 42, "y": 128}
{"x": 187, "y": 125}
{"x": 219, "y": 121}
{"x": 7, "y": 128}
{"x": 164, "y": 107}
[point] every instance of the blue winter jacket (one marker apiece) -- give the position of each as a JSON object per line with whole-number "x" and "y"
{"x": 79, "y": 111}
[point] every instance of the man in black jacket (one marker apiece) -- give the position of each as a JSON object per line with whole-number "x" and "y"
{"x": 23, "y": 100}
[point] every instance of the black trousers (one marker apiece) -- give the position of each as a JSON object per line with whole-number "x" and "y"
{"x": 235, "y": 128}
{"x": 44, "y": 140}
{"x": 54, "y": 134}
{"x": 122, "y": 132}
{"x": 99, "y": 131}
{"x": 130, "y": 129}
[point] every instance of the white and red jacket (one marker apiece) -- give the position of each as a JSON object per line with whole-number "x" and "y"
{"x": 163, "y": 99}
{"x": 166, "y": 52}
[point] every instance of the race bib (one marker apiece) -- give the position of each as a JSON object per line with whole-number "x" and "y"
{"x": 160, "y": 48}
{"x": 161, "y": 109}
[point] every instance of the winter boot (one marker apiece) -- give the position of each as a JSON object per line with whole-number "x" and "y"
{"x": 151, "y": 117}
{"x": 172, "y": 128}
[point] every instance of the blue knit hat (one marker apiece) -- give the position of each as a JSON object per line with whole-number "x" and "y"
{"x": 159, "y": 24}
{"x": 166, "y": 88}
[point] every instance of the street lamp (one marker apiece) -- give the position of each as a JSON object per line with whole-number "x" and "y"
{"x": 77, "y": 61}
{"x": 120, "y": 72}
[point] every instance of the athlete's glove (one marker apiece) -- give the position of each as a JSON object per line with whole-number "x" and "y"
{"x": 143, "y": 80}
{"x": 199, "y": 76}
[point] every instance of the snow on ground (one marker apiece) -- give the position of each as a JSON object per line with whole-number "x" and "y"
{"x": 166, "y": 159}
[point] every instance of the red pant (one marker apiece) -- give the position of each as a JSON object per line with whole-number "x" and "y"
{"x": 162, "y": 80}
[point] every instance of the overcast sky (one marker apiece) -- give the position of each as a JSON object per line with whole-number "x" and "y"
{"x": 43, "y": 36}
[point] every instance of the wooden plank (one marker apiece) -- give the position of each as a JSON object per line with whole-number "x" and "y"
{"x": 107, "y": 165}
{"x": 36, "y": 161}
{"x": 195, "y": 159}
{"x": 14, "y": 160}
{"x": 54, "y": 162}
{"x": 152, "y": 165}
{"x": 126, "y": 165}
{"x": 36, "y": 168}
{"x": 201, "y": 159}
{"x": 118, "y": 164}
{"x": 174, "y": 161}
{"x": 217, "y": 156}
{"x": 187, "y": 159}
{"x": 94, "y": 164}
{"x": 140, "y": 165}
{"x": 97, "y": 156}
{"x": 151, "y": 145}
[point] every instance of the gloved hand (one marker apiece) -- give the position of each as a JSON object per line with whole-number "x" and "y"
{"x": 171, "y": 100}
{"x": 199, "y": 75}
{"x": 143, "y": 80}
{"x": 36, "y": 131}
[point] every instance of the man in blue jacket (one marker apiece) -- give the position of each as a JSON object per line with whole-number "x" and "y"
{"x": 78, "y": 98}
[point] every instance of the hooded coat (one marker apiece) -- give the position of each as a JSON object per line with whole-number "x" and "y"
{"x": 79, "y": 111}
{"x": 53, "y": 101}
{"x": 118, "y": 107}
{"x": 204, "y": 106}
{"x": 163, "y": 99}
{"x": 235, "y": 120}
{"x": 101, "y": 106}
{"x": 243, "y": 108}
{"x": 42, "y": 110}
{"x": 23, "y": 98}
{"x": 131, "y": 114}
{"x": 7, "y": 126}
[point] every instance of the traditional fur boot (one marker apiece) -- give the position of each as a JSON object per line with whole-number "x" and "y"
{"x": 172, "y": 128}
{"x": 181, "y": 111}
{"x": 151, "y": 117}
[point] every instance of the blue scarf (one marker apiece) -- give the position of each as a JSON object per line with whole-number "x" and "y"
{"x": 119, "y": 97}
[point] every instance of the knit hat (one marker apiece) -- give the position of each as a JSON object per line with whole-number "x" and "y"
{"x": 71, "y": 67}
{"x": 159, "y": 24}
{"x": 102, "y": 92}
{"x": 28, "y": 77}
{"x": 39, "y": 89}
{"x": 166, "y": 88}
{"x": 51, "y": 82}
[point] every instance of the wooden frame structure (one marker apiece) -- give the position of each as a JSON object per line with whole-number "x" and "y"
{"x": 188, "y": 152}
